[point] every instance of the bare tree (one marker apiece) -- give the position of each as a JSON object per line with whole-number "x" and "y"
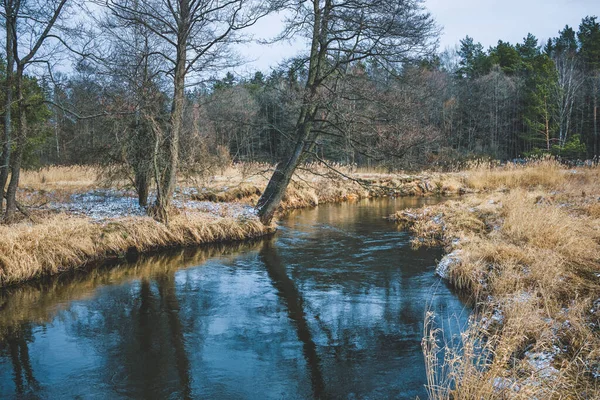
{"x": 192, "y": 37}
{"x": 379, "y": 117}
{"x": 342, "y": 33}
{"x": 134, "y": 68}
{"x": 30, "y": 29}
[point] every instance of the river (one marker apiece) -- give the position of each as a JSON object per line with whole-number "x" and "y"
{"x": 331, "y": 307}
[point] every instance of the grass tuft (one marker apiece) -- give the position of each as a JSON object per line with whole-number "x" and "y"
{"x": 529, "y": 245}
{"x": 62, "y": 242}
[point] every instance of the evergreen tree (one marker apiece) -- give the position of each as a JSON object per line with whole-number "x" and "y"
{"x": 539, "y": 106}
{"x": 507, "y": 57}
{"x": 589, "y": 39}
{"x": 529, "y": 51}
{"x": 566, "y": 42}
{"x": 473, "y": 60}
{"x": 589, "y": 53}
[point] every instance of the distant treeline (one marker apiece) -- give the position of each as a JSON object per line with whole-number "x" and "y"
{"x": 509, "y": 101}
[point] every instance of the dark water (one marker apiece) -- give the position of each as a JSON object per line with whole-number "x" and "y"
{"x": 332, "y": 307}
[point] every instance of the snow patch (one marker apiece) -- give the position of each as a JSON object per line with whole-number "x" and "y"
{"x": 448, "y": 261}
{"x": 495, "y": 321}
{"x": 101, "y": 204}
{"x": 541, "y": 362}
{"x": 503, "y": 384}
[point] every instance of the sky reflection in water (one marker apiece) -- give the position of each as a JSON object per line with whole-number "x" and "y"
{"x": 332, "y": 307}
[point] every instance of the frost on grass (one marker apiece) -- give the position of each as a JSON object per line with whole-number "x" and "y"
{"x": 541, "y": 363}
{"x": 101, "y": 205}
{"x": 447, "y": 263}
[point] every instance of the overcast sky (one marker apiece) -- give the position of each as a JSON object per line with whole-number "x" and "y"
{"x": 486, "y": 21}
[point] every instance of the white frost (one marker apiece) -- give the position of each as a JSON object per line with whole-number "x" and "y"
{"x": 502, "y": 384}
{"x": 541, "y": 362}
{"x": 106, "y": 204}
{"x": 449, "y": 261}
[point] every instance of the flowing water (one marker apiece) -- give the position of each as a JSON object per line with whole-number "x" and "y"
{"x": 331, "y": 307}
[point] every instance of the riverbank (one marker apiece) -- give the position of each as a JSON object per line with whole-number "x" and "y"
{"x": 527, "y": 248}
{"x": 313, "y": 301}
{"x": 39, "y": 302}
{"x": 78, "y": 218}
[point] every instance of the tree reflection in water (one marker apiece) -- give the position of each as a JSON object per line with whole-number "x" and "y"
{"x": 292, "y": 299}
{"x": 332, "y": 307}
{"x": 15, "y": 343}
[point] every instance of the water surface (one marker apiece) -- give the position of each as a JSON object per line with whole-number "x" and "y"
{"x": 331, "y": 307}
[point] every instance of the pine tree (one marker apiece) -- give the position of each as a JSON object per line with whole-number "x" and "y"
{"x": 539, "y": 106}
{"x": 589, "y": 39}
{"x": 473, "y": 60}
{"x": 507, "y": 57}
{"x": 566, "y": 42}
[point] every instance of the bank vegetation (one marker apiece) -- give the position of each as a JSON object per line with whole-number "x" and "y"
{"x": 76, "y": 217}
{"x": 527, "y": 250}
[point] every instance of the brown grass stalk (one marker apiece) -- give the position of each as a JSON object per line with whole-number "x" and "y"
{"x": 529, "y": 249}
{"x": 60, "y": 242}
{"x": 63, "y": 242}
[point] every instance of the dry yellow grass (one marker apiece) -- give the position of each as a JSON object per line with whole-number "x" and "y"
{"x": 244, "y": 182}
{"x": 314, "y": 184}
{"x": 54, "y": 243}
{"x": 530, "y": 257}
{"x": 57, "y": 177}
{"x": 542, "y": 173}
{"x": 62, "y": 243}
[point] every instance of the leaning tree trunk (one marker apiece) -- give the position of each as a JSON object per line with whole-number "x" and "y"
{"x": 271, "y": 198}
{"x": 273, "y": 194}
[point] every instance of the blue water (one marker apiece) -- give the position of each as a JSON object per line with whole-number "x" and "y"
{"x": 331, "y": 307}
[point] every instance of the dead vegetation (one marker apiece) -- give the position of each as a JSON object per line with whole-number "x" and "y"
{"x": 244, "y": 183}
{"x": 544, "y": 173}
{"x": 528, "y": 250}
{"x": 55, "y": 239}
{"x": 62, "y": 242}
{"x": 314, "y": 184}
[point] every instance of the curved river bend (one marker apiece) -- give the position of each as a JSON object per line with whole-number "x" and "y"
{"x": 331, "y": 307}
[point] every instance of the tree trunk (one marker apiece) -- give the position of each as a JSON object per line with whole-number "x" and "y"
{"x": 271, "y": 198}
{"x": 15, "y": 166}
{"x": 273, "y": 194}
{"x": 596, "y": 144}
{"x": 546, "y": 125}
{"x": 168, "y": 178}
{"x": 596, "y": 131}
{"x": 8, "y": 93}
{"x": 142, "y": 185}
{"x": 140, "y": 155}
